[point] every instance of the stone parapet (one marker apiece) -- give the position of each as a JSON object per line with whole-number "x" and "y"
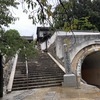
{"x": 7, "y": 71}
{"x": 69, "y": 80}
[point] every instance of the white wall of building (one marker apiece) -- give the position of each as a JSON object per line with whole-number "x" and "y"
{"x": 57, "y": 38}
{"x": 49, "y": 42}
{"x": 59, "y": 47}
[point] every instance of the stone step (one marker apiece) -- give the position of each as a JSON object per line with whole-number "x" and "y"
{"x": 18, "y": 77}
{"x": 43, "y": 72}
{"x": 36, "y": 86}
{"x": 41, "y": 77}
{"x": 37, "y": 83}
{"x": 37, "y": 75}
{"x": 39, "y": 69}
{"x": 36, "y": 80}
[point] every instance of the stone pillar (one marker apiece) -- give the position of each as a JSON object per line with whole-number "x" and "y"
{"x": 65, "y": 56}
{"x": 69, "y": 78}
{"x": 1, "y": 77}
{"x": 67, "y": 62}
{"x": 78, "y": 73}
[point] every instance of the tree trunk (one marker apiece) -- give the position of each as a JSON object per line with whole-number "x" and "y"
{"x": 1, "y": 77}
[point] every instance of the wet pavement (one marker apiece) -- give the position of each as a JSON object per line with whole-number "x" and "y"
{"x": 86, "y": 92}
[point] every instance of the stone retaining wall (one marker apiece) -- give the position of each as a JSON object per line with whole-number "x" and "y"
{"x": 7, "y": 71}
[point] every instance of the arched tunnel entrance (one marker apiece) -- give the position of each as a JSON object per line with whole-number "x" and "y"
{"x": 90, "y": 70}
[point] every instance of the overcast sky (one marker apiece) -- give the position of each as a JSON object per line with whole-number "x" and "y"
{"x": 24, "y": 25}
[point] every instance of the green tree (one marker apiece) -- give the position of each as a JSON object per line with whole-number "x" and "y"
{"x": 60, "y": 16}
{"x": 8, "y": 41}
{"x": 42, "y": 11}
{"x": 95, "y": 14}
{"x": 11, "y": 42}
{"x": 27, "y": 50}
{"x": 5, "y": 14}
{"x": 40, "y": 15}
{"x": 74, "y": 15}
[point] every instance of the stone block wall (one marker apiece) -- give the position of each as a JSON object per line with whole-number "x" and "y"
{"x": 6, "y": 73}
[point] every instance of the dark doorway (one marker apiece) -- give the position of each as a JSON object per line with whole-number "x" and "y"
{"x": 1, "y": 77}
{"x": 91, "y": 69}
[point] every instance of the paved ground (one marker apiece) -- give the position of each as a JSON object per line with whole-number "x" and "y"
{"x": 86, "y": 92}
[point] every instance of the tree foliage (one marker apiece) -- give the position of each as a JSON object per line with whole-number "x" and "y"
{"x": 5, "y": 14}
{"x": 41, "y": 10}
{"x": 77, "y": 15}
{"x": 27, "y": 50}
{"x": 62, "y": 15}
{"x": 65, "y": 12}
{"x": 11, "y": 42}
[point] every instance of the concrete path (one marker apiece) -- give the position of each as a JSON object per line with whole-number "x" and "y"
{"x": 86, "y": 92}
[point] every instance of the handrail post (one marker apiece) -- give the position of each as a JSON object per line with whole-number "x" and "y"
{"x": 26, "y": 70}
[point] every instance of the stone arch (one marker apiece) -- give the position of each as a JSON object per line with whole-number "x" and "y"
{"x": 81, "y": 46}
{"x": 81, "y": 55}
{"x": 90, "y": 68}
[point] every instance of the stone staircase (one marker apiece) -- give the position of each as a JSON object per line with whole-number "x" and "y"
{"x": 42, "y": 72}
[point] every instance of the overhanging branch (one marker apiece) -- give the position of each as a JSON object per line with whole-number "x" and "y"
{"x": 42, "y": 12}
